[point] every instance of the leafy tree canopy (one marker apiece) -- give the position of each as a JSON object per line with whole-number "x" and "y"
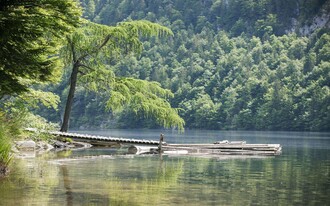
{"x": 92, "y": 46}
{"x": 31, "y": 32}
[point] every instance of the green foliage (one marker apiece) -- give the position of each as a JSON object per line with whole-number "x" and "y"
{"x": 234, "y": 16}
{"x": 30, "y": 35}
{"x": 91, "y": 40}
{"x": 8, "y": 130}
{"x": 41, "y": 124}
{"x": 68, "y": 140}
{"x": 146, "y": 98}
{"x": 17, "y": 112}
{"x": 94, "y": 45}
{"x": 33, "y": 98}
{"x": 230, "y": 65}
{"x": 5, "y": 148}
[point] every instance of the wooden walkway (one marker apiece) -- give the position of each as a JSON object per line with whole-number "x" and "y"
{"x": 227, "y": 148}
{"x": 96, "y": 139}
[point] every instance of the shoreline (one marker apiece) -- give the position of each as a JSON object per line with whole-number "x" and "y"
{"x": 30, "y": 149}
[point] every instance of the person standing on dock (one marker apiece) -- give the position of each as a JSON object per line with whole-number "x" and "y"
{"x": 161, "y": 139}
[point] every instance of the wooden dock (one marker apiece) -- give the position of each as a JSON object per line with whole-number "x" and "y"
{"x": 97, "y": 139}
{"x": 228, "y": 148}
{"x": 142, "y": 146}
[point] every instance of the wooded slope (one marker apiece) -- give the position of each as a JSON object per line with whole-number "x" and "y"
{"x": 231, "y": 64}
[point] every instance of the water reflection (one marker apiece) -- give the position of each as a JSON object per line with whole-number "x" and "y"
{"x": 31, "y": 182}
{"x": 104, "y": 176}
{"x": 66, "y": 182}
{"x": 147, "y": 190}
{"x": 123, "y": 184}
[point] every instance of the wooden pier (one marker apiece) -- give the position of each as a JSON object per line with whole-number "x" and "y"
{"x": 142, "y": 146}
{"x": 97, "y": 139}
{"x": 228, "y": 148}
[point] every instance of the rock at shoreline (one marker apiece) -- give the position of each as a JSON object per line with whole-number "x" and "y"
{"x": 27, "y": 145}
{"x": 29, "y": 148}
{"x": 62, "y": 145}
{"x": 70, "y": 145}
{"x": 44, "y": 146}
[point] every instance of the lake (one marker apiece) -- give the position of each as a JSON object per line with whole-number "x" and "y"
{"x": 108, "y": 176}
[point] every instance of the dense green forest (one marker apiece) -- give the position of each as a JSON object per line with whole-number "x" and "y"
{"x": 254, "y": 65}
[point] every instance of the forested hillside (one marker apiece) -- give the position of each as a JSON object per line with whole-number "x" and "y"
{"x": 232, "y": 64}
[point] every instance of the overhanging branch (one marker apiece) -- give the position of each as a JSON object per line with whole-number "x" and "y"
{"x": 97, "y": 48}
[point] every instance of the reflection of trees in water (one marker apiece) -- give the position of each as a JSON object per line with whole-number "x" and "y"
{"x": 280, "y": 181}
{"x": 151, "y": 191}
{"x": 288, "y": 179}
{"x": 74, "y": 185}
{"x": 66, "y": 177}
{"x": 66, "y": 183}
{"x": 31, "y": 182}
{"x": 297, "y": 177}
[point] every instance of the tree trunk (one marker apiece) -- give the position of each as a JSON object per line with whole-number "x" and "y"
{"x": 69, "y": 101}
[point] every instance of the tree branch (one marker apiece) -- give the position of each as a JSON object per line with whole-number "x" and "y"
{"x": 97, "y": 48}
{"x": 87, "y": 67}
{"x": 73, "y": 51}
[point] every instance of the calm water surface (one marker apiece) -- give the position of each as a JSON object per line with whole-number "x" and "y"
{"x": 104, "y": 176}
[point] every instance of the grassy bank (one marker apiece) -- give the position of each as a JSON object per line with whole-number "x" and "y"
{"x": 8, "y": 129}
{"x": 12, "y": 126}
{"x": 5, "y": 155}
